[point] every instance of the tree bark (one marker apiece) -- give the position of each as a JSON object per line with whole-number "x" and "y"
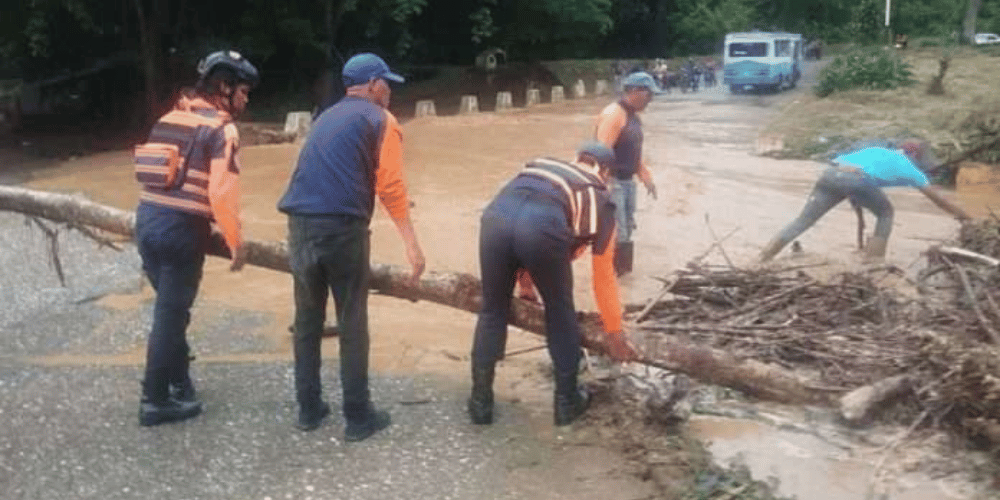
{"x": 461, "y": 291}
{"x": 969, "y": 23}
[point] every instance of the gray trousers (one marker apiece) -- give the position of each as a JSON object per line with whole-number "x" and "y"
{"x": 834, "y": 186}
{"x": 330, "y": 254}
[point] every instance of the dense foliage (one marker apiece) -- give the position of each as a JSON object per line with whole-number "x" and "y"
{"x": 869, "y": 69}
{"x": 296, "y": 41}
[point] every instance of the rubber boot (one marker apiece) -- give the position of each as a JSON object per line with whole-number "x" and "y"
{"x": 771, "y": 249}
{"x": 311, "y": 415}
{"x": 481, "y": 400}
{"x": 570, "y": 400}
{"x": 875, "y": 248}
{"x": 623, "y": 257}
{"x": 181, "y": 385}
{"x": 363, "y": 424}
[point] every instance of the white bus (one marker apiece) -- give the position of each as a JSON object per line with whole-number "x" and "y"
{"x": 761, "y": 60}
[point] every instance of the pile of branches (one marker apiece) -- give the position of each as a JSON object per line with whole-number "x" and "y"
{"x": 853, "y": 330}
{"x": 977, "y": 135}
{"x": 846, "y": 330}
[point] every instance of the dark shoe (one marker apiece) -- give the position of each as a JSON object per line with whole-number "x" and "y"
{"x": 170, "y": 410}
{"x": 183, "y": 391}
{"x": 570, "y": 400}
{"x": 569, "y": 408}
{"x": 481, "y": 401}
{"x": 364, "y": 429}
{"x": 310, "y": 418}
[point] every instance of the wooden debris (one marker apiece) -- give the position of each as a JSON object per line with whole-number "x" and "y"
{"x": 859, "y": 404}
{"x": 458, "y": 290}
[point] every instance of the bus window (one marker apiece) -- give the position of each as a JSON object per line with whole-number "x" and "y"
{"x": 782, "y": 48}
{"x": 748, "y": 49}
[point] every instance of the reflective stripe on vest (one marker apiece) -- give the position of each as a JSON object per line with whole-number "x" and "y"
{"x": 192, "y": 132}
{"x": 580, "y": 188}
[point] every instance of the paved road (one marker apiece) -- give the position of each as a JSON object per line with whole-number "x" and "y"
{"x": 69, "y": 388}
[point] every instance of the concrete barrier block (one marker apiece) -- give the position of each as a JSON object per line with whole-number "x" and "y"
{"x": 504, "y": 101}
{"x": 579, "y": 90}
{"x": 770, "y": 143}
{"x": 425, "y": 108}
{"x": 557, "y": 93}
{"x": 469, "y": 104}
{"x": 534, "y": 97}
{"x": 297, "y": 123}
{"x": 600, "y": 87}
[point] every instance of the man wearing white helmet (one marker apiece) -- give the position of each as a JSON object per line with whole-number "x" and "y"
{"x": 189, "y": 174}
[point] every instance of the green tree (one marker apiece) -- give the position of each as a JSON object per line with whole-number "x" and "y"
{"x": 867, "y": 21}
{"x": 712, "y": 19}
{"x": 927, "y": 17}
{"x": 540, "y": 28}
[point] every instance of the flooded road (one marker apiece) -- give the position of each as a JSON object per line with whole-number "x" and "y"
{"x": 702, "y": 151}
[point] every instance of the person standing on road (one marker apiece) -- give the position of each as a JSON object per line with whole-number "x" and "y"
{"x": 860, "y": 176}
{"x": 544, "y": 217}
{"x": 189, "y": 170}
{"x": 619, "y": 128}
{"x": 353, "y": 153}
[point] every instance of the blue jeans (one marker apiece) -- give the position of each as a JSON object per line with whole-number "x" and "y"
{"x": 834, "y": 186}
{"x": 172, "y": 245}
{"x": 623, "y": 195}
{"x": 327, "y": 254}
{"x": 522, "y": 229}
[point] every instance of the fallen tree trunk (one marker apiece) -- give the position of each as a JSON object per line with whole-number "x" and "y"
{"x": 458, "y": 290}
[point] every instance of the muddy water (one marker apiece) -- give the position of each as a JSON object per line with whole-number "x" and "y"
{"x": 711, "y": 184}
{"x": 809, "y": 459}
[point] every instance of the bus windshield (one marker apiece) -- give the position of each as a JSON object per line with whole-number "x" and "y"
{"x": 748, "y": 49}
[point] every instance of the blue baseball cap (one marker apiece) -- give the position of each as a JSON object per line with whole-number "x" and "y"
{"x": 367, "y": 66}
{"x": 640, "y": 79}
{"x": 598, "y": 151}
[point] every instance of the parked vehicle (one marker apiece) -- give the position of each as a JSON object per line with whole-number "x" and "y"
{"x": 987, "y": 38}
{"x": 762, "y": 60}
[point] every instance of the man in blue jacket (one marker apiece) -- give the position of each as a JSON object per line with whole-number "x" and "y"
{"x": 353, "y": 153}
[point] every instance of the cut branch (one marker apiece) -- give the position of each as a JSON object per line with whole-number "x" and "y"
{"x": 460, "y": 291}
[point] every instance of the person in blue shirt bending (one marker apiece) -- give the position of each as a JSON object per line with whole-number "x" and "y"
{"x": 860, "y": 177}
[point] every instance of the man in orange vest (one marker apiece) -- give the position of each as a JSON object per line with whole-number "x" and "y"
{"x": 177, "y": 206}
{"x": 541, "y": 219}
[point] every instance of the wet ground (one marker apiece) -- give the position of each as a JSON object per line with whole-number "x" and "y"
{"x": 71, "y": 357}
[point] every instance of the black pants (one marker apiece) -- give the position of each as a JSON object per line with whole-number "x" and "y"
{"x": 522, "y": 229}
{"x": 172, "y": 245}
{"x": 330, "y": 254}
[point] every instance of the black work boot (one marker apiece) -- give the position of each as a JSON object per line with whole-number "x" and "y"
{"x": 311, "y": 415}
{"x": 183, "y": 391}
{"x": 481, "y": 401}
{"x": 570, "y": 400}
{"x": 359, "y": 429}
{"x": 181, "y": 386}
{"x": 170, "y": 410}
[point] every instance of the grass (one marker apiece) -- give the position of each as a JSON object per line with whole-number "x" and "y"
{"x": 814, "y": 127}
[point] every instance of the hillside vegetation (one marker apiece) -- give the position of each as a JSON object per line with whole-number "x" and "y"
{"x": 961, "y": 118}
